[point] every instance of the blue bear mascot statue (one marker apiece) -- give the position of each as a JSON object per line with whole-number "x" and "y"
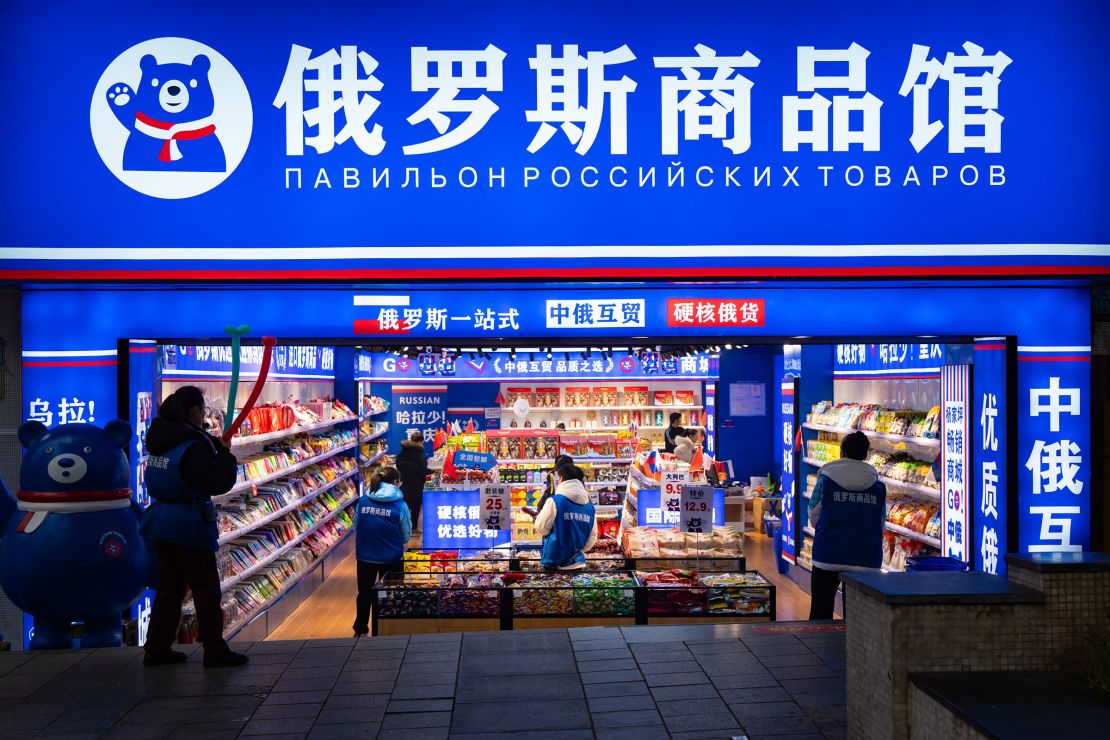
{"x": 71, "y": 550}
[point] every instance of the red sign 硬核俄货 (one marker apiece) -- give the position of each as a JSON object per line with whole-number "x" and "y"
{"x": 714, "y": 312}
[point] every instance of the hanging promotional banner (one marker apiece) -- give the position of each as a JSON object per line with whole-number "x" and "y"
{"x": 990, "y": 426}
{"x": 955, "y": 460}
{"x": 892, "y": 361}
{"x": 277, "y": 144}
{"x": 537, "y": 366}
{"x": 210, "y": 362}
{"x": 784, "y": 416}
{"x": 413, "y": 408}
{"x": 496, "y": 506}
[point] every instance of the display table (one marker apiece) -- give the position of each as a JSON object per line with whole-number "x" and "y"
{"x": 411, "y": 603}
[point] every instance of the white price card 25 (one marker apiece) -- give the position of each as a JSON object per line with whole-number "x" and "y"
{"x": 494, "y": 511}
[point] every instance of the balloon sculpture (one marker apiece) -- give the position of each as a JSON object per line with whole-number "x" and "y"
{"x": 71, "y": 550}
{"x": 231, "y": 427}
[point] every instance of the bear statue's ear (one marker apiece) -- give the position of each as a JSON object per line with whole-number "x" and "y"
{"x": 147, "y": 63}
{"x": 202, "y": 63}
{"x": 118, "y": 431}
{"x": 30, "y": 431}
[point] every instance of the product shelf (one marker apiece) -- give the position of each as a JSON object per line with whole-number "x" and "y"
{"x": 235, "y": 534}
{"x": 375, "y": 435}
{"x": 225, "y": 585}
{"x": 932, "y": 493}
{"x": 232, "y": 629}
{"x": 247, "y": 485}
{"x": 374, "y": 459}
{"x": 921, "y": 441}
{"x": 255, "y": 439}
{"x": 911, "y": 487}
{"x": 370, "y": 414}
{"x": 930, "y": 541}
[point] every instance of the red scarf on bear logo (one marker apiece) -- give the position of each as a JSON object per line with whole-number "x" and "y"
{"x": 171, "y": 133}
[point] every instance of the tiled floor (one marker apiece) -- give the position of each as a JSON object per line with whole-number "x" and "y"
{"x": 698, "y": 681}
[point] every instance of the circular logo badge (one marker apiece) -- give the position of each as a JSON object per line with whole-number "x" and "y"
{"x": 404, "y": 364}
{"x": 113, "y": 548}
{"x": 171, "y": 118}
{"x": 627, "y": 364}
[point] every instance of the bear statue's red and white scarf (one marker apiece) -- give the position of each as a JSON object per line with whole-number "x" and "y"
{"x": 171, "y": 133}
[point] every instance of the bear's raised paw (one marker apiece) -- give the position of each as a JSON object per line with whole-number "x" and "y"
{"x": 119, "y": 95}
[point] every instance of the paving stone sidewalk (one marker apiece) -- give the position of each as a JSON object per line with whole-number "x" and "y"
{"x": 696, "y": 681}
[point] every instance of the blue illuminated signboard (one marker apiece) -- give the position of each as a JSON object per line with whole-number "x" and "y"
{"x": 565, "y": 143}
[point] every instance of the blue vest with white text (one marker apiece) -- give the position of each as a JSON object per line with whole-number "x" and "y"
{"x": 850, "y": 529}
{"x": 178, "y": 513}
{"x": 378, "y": 536}
{"x": 573, "y": 525}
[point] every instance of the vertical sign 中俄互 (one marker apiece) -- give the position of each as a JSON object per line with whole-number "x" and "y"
{"x": 495, "y": 507}
{"x": 670, "y": 500}
{"x": 697, "y": 509}
{"x": 956, "y": 519}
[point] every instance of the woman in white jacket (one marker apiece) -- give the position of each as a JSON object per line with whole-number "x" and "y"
{"x": 567, "y": 522}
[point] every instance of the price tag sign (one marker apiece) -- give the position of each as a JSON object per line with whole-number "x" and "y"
{"x": 697, "y": 509}
{"x": 670, "y": 498}
{"x": 494, "y": 511}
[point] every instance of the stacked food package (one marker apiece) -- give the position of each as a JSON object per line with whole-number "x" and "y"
{"x": 648, "y": 542}
{"x": 874, "y": 418}
{"x": 289, "y": 452}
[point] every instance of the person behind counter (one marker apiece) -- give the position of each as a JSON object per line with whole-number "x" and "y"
{"x": 186, "y": 468}
{"x": 413, "y": 467}
{"x": 567, "y": 523}
{"x": 672, "y": 432}
{"x": 382, "y": 527}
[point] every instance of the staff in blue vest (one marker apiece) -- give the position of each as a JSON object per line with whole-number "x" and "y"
{"x": 185, "y": 469}
{"x": 383, "y": 525}
{"x": 848, "y": 507}
{"x": 567, "y": 522}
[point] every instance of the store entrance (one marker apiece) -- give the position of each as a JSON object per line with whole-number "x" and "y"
{"x": 741, "y": 419}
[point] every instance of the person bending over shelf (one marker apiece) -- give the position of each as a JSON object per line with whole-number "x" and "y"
{"x": 413, "y": 467}
{"x": 848, "y": 508}
{"x": 186, "y": 468}
{"x": 567, "y": 522}
{"x": 382, "y": 527}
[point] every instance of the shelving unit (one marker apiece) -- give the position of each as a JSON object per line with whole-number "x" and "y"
{"x": 551, "y": 461}
{"x": 256, "y": 439}
{"x": 248, "y": 485}
{"x": 930, "y": 541}
{"x": 225, "y": 585}
{"x": 236, "y": 533}
{"x": 371, "y": 414}
{"x": 559, "y": 409}
{"x": 922, "y": 441}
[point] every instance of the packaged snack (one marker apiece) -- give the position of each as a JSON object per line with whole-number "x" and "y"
{"x": 664, "y": 398}
{"x": 604, "y": 396}
{"x": 512, "y": 395}
{"x": 575, "y": 445}
{"x": 635, "y": 395}
{"x": 547, "y": 398}
{"x": 684, "y": 398}
{"x": 576, "y": 397}
{"x": 602, "y": 445}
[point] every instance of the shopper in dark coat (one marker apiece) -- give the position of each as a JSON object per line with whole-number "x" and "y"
{"x": 413, "y": 467}
{"x": 186, "y": 468}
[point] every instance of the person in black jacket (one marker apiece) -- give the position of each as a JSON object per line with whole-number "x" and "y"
{"x": 186, "y": 468}
{"x": 672, "y": 432}
{"x": 413, "y": 467}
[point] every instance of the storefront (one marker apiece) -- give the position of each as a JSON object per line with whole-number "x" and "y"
{"x": 751, "y": 222}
